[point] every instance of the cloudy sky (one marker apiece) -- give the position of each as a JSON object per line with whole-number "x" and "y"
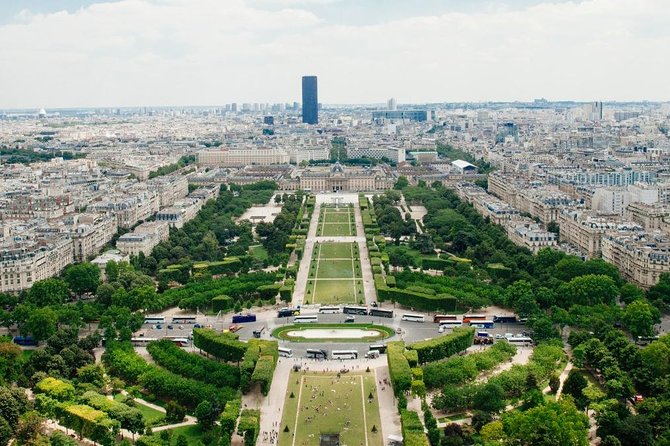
{"x": 69, "y": 53}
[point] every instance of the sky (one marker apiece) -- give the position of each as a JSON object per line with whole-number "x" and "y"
{"x": 115, "y": 53}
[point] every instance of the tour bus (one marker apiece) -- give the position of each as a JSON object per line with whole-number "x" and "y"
{"x": 183, "y": 319}
{"x": 285, "y": 352}
{"x": 413, "y": 317}
{"x": 140, "y": 342}
{"x": 444, "y": 317}
{"x": 482, "y": 324}
{"x": 504, "y": 319}
{"x": 381, "y": 348}
{"x": 312, "y": 319}
{"x": 317, "y": 353}
{"x": 288, "y": 312}
{"x": 329, "y": 310}
{"x": 344, "y": 354}
{"x": 351, "y": 309}
{"x": 520, "y": 340}
{"x": 180, "y": 342}
{"x": 154, "y": 320}
{"x": 381, "y": 313}
{"x": 241, "y": 318}
{"x": 474, "y": 317}
{"x": 24, "y": 340}
{"x": 372, "y": 354}
{"x": 451, "y": 324}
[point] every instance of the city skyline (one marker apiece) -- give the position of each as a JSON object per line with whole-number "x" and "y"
{"x": 135, "y": 52}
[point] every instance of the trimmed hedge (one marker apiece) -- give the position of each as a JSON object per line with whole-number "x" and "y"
{"x": 412, "y": 357}
{"x": 249, "y": 425}
{"x": 399, "y": 369}
{"x": 435, "y": 263}
{"x": 193, "y": 366}
{"x": 265, "y": 367}
{"x": 55, "y": 388}
{"x": 444, "y": 346}
{"x": 229, "y": 417}
{"x": 257, "y": 348}
{"x": 130, "y": 417}
{"x": 88, "y": 422}
{"x": 221, "y": 345}
{"x": 225, "y": 266}
{"x": 412, "y": 429}
{"x": 418, "y": 301}
{"x": 390, "y": 281}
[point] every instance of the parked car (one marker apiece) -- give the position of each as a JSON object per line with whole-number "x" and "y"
{"x": 170, "y": 327}
{"x": 350, "y": 319}
{"x": 197, "y": 326}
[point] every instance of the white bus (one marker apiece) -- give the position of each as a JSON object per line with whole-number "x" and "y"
{"x": 285, "y": 352}
{"x": 141, "y": 341}
{"x": 451, "y": 324}
{"x": 154, "y": 319}
{"x": 329, "y": 310}
{"x": 520, "y": 340}
{"x": 344, "y": 354}
{"x": 183, "y": 319}
{"x": 413, "y": 317}
{"x": 306, "y": 319}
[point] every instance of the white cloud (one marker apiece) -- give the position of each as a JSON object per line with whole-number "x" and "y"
{"x": 154, "y": 52}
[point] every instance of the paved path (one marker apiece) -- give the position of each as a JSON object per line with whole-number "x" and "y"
{"x": 303, "y": 270}
{"x": 366, "y": 268}
{"x": 272, "y": 406}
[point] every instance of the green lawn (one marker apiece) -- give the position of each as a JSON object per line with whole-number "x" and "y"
{"x": 334, "y": 274}
{"x": 258, "y": 252}
{"x": 335, "y": 250}
{"x": 336, "y": 222}
{"x": 382, "y": 332}
{"x": 343, "y": 408}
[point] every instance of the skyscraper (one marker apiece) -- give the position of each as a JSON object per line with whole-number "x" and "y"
{"x": 310, "y": 100}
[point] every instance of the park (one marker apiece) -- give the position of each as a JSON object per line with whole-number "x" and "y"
{"x": 336, "y": 221}
{"x": 335, "y": 274}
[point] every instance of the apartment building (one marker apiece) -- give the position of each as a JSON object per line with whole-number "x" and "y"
{"x": 90, "y": 233}
{"x": 641, "y": 258}
{"x": 144, "y": 238}
{"x": 649, "y": 216}
{"x": 242, "y": 156}
{"x": 24, "y": 262}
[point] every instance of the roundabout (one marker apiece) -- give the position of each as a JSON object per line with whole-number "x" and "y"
{"x": 332, "y": 333}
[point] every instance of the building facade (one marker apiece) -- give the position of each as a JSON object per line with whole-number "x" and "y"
{"x": 310, "y": 100}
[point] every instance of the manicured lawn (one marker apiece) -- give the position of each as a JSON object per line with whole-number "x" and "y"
{"x": 336, "y": 222}
{"x": 343, "y": 408}
{"x": 334, "y": 274}
{"x": 152, "y": 416}
{"x": 258, "y": 252}
{"x": 335, "y": 250}
{"x": 335, "y": 269}
{"x": 383, "y": 332}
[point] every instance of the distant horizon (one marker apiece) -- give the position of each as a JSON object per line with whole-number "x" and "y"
{"x": 96, "y": 52}
{"x": 336, "y": 105}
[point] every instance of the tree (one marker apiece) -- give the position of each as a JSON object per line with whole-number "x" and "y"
{"x": 590, "y": 290}
{"x": 574, "y": 385}
{"x": 29, "y": 427}
{"x": 174, "y": 412}
{"x": 629, "y": 293}
{"x": 554, "y": 382}
{"x": 640, "y": 317}
{"x": 181, "y": 438}
{"x": 112, "y": 271}
{"x": 205, "y": 414}
{"x": 401, "y": 183}
{"x": 554, "y": 423}
{"x": 82, "y": 277}
{"x": 490, "y": 398}
{"x": 42, "y": 323}
{"x": 552, "y": 226}
{"x": 13, "y": 403}
{"x": 49, "y": 292}
{"x": 543, "y": 329}
{"x": 6, "y": 433}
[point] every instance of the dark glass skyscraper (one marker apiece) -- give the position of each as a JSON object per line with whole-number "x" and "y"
{"x": 310, "y": 100}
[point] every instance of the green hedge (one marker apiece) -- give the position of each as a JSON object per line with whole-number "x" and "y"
{"x": 129, "y": 417}
{"x": 390, "y": 281}
{"x": 249, "y": 425}
{"x": 269, "y": 291}
{"x": 225, "y": 266}
{"x": 418, "y": 301}
{"x": 412, "y": 429}
{"x": 265, "y": 367}
{"x": 286, "y": 293}
{"x": 55, "y": 388}
{"x": 434, "y": 263}
{"x": 399, "y": 369}
{"x": 229, "y": 417}
{"x": 444, "y": 346}
{"x": 412, "y": 357}
{"x": 222, "y": 345}
{"x": 256, "y": 348}
{"x": 191, "y": 365}
{"x": 222, "y": 303}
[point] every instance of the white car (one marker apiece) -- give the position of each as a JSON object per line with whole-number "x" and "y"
{"x": 441, "y": 329}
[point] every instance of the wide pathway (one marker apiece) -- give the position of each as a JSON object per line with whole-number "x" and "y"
{"x": 303, "y": 270}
